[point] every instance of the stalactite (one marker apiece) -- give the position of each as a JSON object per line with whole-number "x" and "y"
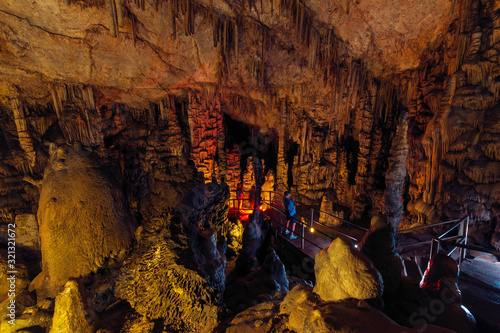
{"x": 112, "y": 17}
{"x": 263, "y": 58}
{"x": 133, "y": 24}
{"x": 236, "y": 43}
{"x": 119, "y": 12}
{"x": 25, "y": 140}
{"x": 56, "y": 101}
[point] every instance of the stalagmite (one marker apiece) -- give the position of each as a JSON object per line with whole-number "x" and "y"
{"x": 112, "y": 17}
{"x": 23, "y": 133}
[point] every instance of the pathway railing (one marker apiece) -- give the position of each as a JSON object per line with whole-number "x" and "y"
{"x": 268, "y": 201}
{"x": 453, "y": 242}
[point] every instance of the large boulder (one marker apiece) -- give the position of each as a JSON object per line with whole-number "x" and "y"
{"x": 343, "y": 272}
{"x": 83, "y": 218}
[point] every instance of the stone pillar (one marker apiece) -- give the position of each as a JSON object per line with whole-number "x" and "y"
{"x": 282, "y": 167}
{"x": 396, "y": 172}
{"x": 25, "y": 140}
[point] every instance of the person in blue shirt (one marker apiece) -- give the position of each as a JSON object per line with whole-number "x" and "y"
{"x": 290, "y": 213}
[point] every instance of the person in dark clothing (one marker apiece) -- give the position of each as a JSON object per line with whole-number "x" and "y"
{"x": 291, "y": 214}
{"x": 239, "y": 196}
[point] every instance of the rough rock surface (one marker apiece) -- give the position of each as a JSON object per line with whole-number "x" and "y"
{"x": 342, "y": 272}
{"x": 303, "y": 311}
{"x": 21, "y": 277}
{"x": 69, "y": 313}
{"x": 76, "y": 226}
{"x": 163, "y": 281}
{"x": 379, "y": 245}
{"x": 263, "y": 283}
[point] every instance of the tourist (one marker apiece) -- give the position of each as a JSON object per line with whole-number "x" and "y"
{"x": 290, "y": 213}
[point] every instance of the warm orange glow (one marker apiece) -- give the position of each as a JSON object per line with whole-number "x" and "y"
{"x": 312, "y": 229}
{"x": 261, "y": 207}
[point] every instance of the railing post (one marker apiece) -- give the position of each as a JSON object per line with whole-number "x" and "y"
{"x": 434, "y": 248}
{"x": 312, "y": 217}
{"x": 464, "y": 233}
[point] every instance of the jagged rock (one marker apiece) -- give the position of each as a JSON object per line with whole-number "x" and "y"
{"x": 162, "y": 280}
{"x": 308, "y": 313}
{"x": 70, "y": 314}
{"x": 14, "y": 276}
{"x": 328, "y": 214}
{"x": 235, "y": 237}
{"x": 255, "y": 319}
{"x": 78, "y": 230}
{"x": 379, "y": 245}
{"x": 343, "y": 272}
{"x": 39, "y": 316}
{"x": 140, "y": 324}
{"x": 265, "y": 281}
{"x": 204, "y": 213}
{"x": 27, "y": 235}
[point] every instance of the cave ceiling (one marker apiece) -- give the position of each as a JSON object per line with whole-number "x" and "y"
{"x": 132, "y": 52}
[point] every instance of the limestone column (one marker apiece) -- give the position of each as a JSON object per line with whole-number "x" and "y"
{"x": 396, "y": 172}
{"x": 221, "y": 140}
{"x": 25, "y": 140}
{"x": 282, "y": 167}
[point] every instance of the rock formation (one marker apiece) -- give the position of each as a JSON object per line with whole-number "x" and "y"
{"x": 159, "y": 284}
{"x": 379, "y": 245}
{"x": 440, "y": 283}
{"x": 306, "y": 309}
{"x": 75, "y": 224}
{"x": 342, "y": 272}
{"x": 69, "y": 313}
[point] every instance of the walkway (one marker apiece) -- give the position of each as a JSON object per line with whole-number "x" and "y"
{"x": 479, "y": 279}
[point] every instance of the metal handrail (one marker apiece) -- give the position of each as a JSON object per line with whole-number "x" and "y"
{"x": 460, "y": 239}
{"x": 338, "y": 232}
{"x": 471, "y": 247}
{"x": 426, "y": 226}
{"x": 303, "y": 238}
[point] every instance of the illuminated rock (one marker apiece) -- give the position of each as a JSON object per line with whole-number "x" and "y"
{"x": 303, "y": 311}
{"x": 70, "y": 314}
{"x": 343, "y": 272}
{"x": 83, "y": 219}
{"x": 158, "y": 283}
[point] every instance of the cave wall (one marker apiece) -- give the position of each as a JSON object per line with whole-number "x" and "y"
{"x": 453, "y": 123}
